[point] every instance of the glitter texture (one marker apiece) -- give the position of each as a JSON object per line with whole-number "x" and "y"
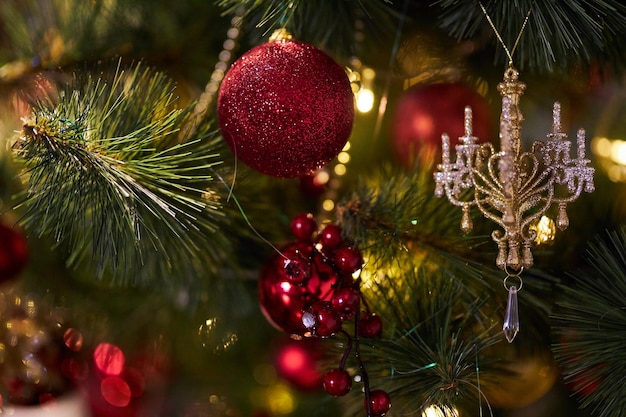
{"x": 286, "y": 108}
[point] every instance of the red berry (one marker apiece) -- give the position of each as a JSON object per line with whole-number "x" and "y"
{"x": 294, "y": 269}
{"x": 13, "y": 252}
{"x": 322, "y": 319}
{"x": 324, "y": 268}
{"x": 302, "y": 226}
{"x": 370, "y": 326}
{"x": 379, "y": 403}
{"x": 337, "y": 382}
{"x": 330, "y": 236}
{"x": 348, "y": 259}
{"x": 293, "y": 264}
{"x": 346, "y": 301}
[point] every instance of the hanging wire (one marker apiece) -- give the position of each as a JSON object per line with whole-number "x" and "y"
{"x": 519, "y": 35}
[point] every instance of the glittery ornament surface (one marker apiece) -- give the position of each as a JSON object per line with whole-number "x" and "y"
{"x": 285, "y": 108}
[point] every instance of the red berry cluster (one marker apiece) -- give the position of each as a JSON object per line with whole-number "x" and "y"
{"x": 311, "y": 290}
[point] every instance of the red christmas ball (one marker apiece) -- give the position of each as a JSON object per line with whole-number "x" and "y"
{"x": 379, "y": 403}
{"x": 13, "y": 252}
{"x": 285, "y": 108}
{"x": 283, "y": 301}
{"x": 337, "y": 382}
{"x": 296, "y": 361}
{"x": 425, "y": 112}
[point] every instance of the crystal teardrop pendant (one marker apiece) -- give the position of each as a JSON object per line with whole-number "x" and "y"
{"x": 511, "y": 319}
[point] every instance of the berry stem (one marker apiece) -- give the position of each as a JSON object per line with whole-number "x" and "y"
{"x": 357, "y": 356}
{"x": 347, "y": 350}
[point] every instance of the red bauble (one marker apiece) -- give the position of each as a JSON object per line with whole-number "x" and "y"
{"x": 337, "y": 382}
{"x": 379, "y": 403}
{"x": 425, "y": 112}
{"x": 13, "y": 252}
{"x": 296, "y": 361}
{"x": 285, "y": 108}
{"x": 283, "y": 301}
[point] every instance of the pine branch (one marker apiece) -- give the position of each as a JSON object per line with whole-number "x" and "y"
{"x": 327, "y": 24}
{"x": 589, "y": 325}
{"x": 391, "y": 212}
{"x": 558, "y": 34}
{"x": 432, "y": 353}
{"x": 111, "y": 186}
{"x": 51, "y": 34}
{"x": 397, "y": 222}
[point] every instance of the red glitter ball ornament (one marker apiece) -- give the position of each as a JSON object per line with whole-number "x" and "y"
{"x": 285, "y": 108}
{"x": 426, "y": 111}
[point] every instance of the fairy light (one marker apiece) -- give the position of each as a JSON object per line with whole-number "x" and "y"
{"x": 343, "y": 157}
{"x": 224, "y": 59}
{"x": 365, "y": 96}
{"x": 280, "y": 399}
{"x": 323, "y": 177}
{"x": 545, "y": 229}
{"x": 612, "y": 156}
{"x": 365, "y": 100}
{"x": 340, "y": 169}
{"x": 328, "y": 205}
{"x": 440, "y": 411}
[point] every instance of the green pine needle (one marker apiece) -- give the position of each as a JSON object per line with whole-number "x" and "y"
{"x": 328, "y": 24}
{"x": 558, "y": 34}
{"x": 393, "y": 216}
{"x": 109, "y": 183}
{"x": 590, "y": 327}
{"x": 431, "y": 353}
{"x": 390, "y": 212}
{"x": 442, "y": 300}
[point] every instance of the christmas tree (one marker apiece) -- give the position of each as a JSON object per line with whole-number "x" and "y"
{"x": 296, "y": 208}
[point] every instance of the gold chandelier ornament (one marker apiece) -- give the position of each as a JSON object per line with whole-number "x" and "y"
{"x": 511, "y": 187}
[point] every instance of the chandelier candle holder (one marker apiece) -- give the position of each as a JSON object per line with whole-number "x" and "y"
{"x": 511, "y": 187}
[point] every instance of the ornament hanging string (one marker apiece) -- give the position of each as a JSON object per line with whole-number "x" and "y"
{"x": 510, "y": 53}
{"x": 231, "y": 194}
